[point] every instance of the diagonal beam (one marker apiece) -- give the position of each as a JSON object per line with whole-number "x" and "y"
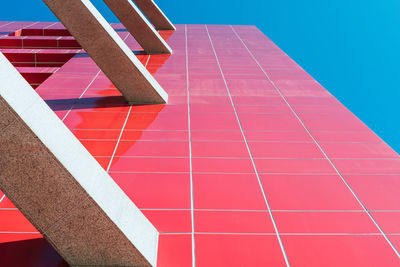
{"x": 154, "y": 14}
{"x": 138, "y": 26}
{"x": 60, "y": 187}
{"x": 108, "y": 50}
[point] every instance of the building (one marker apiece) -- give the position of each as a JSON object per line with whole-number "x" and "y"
{"x": 251, "y": 162}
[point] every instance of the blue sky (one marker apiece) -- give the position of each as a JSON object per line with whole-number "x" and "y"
{"x": 351, "y": 47}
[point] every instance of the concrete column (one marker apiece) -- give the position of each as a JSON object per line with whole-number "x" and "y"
{"x": 154, "y": 14}
{"x": 60, "y": 187}
{"x": 108, "y": 50}
{"x": 138, "y": 26}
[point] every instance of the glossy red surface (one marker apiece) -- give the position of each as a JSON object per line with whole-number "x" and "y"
{"x": 251, "y": 163}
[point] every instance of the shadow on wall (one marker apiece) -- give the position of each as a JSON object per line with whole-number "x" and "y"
{"x": 28, "y": 253}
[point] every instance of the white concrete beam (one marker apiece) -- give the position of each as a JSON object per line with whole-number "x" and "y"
{"x": 154, "y": 14}
{"x": 138, "y": 26}
{"x": 60, "y": 187}
{"x": 108, "y": 50}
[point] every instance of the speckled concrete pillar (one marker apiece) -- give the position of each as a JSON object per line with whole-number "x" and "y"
{"x": 154, "y": 14}
{"x": 138, "y": 26}
{"x": 109, "y": 51}
{"x": 60, "y": 187}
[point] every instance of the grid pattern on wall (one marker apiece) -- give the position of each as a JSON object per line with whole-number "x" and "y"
{"x": 251, "y": 163}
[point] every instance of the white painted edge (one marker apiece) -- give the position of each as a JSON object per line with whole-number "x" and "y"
{"x": 162, "y": 13}
{"x": 149, "y": 25}
{"x": 107, "y": 27}
{"x": 78, "y": 161}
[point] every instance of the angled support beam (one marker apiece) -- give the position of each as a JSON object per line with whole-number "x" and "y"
{"x": 60, "y": 187}
{"x": 138, "y": 26}
{"x": 108, "y": 50}
{"x": 155, "y": 14}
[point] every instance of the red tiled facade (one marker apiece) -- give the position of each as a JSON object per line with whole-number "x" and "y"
{"x": 251, "y": 163}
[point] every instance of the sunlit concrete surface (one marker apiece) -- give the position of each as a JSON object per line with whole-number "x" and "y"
{"x": 61, "y": 189}
{"x": 108, "y": 50}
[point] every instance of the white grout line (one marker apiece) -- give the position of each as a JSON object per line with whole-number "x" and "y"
{"x": 119, "y": 139}
{"x": 298, "y": 211}
{"x": 226, "y": 141}
{"x": 190, "y": 151}
{"x": 236, "y": 173}
{"x": 250, "y": 154}
{"x": 319, "y": 146}
{"x": 285, "y": 234}
{"x": 123, "y": 127}
{"x": 11, "y": 22}
{"x": 69, "y": 111}
{"x": 49, "y": 26}
{"x": 95, "y": 77}
{"x": 219, "y": 157}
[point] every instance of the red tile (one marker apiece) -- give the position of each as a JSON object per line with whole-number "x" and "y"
{"x": 67, "y": 83}
{"x": 14, "y": 221}
{"x": 100, "y": 147}
{"x": 216, "y": 136}
{"x": 364, "y": 136}
{"x": 153, "y": 148}
{"x": 301, "y": 136}
{"x": 160, "y": 108}
{"x": 97, "y": 134}
{"x": 388, "y": 221}
{"x": 333, "y": 122}
{"x": 238, "y": 250}
{"x": 221, "y": 191}
{"x": 376, "y": 192}
{"x": 269, "y": 122}
{"x": 95, "y": 120}
{"x": 288, "y": 74}
{"x": 219, "y": 149}
{"x": 299, "y": 86}
{"x": 296, "y": 101}
{"x": 6, "y": 203}
{"x": 207, "y": 84}
{"x": 285, "y": 150}
{"x": 342, "y": 250}
{"x": 170, "y": 221}
{"x": 263, "y": 109}
{"x": 103, "y": 161}
{"x": 300, "y": 166}
{"x": 202, "y": 108}
{"x": 174, "y": 250}
{"x": 233, "y": 222}
{"x": 308, "y": 192}
{"x": 128, "y": 164}
{"x": 258, "y": 100}
{"x": 358, "y": 150}
{"x": 222, "y": 165}
{"x": 325, "y": 222}
{"x": 155, "y": 135}
{"x": 264, "y": 85}
{"x": 367, "y": 166}
{"x": 395, "y": 239}
{"x": 156, "y": 121}
{"x": 208, "y": 92}
{"x": 156, "y": 190}
{"x": 214, "y": 121}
